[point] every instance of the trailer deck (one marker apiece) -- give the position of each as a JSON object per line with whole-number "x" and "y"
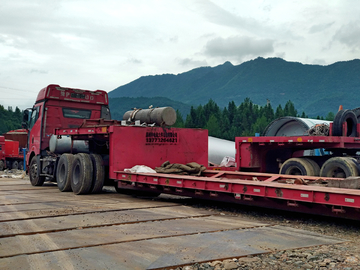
{"x": 257, "y": 189}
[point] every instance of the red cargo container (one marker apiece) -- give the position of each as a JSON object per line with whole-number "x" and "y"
{"x": 9, "y": 154}
{"x": 11, "y": 148}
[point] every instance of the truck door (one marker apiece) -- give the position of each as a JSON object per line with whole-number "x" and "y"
{"x": 35, "y": 130}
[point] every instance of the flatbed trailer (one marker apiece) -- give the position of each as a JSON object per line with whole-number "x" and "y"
{"x": 129, "y": 146}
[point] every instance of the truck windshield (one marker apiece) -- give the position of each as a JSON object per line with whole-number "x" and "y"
{"x": 76, "y": 113}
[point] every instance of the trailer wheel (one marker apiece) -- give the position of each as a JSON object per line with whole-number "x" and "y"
{"x": 99, "y": 173}
{"x": 82, "y": 174}
{"x": 2, "y": 165}
{"x": 20, "y": 166}
{"x": 14, "y": 165}
{"x": 34, "y": 172}
{"x": 64, "y": 171}
{"x": 315, "y": 166}
{"x": 297, "y": 166}
{"x": 348, "y": 117}
{"x": 339, "y": 167}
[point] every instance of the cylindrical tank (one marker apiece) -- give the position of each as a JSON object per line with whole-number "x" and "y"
{"x": 219, "y": 148}
{"x": 160, "y": 116}
{"x": 63, "y": 145}
{"x": 292, "y": 126}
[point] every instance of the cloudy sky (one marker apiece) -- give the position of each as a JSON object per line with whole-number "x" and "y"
{"x": 92, "y": 44}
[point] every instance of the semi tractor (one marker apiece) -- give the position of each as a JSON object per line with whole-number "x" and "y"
{"x": 73, "y": 142}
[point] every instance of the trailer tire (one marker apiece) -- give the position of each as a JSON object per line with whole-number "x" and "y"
{"x": 98, "y": 173}
{"x": 2, "y": 165}
{"x": 339, "y": 167}
{"x": 21, "y": 165}
{"x": 34, "y": 172}
{"x": 297, "y": 166}
{"x": 341, "y": 117}
{"x": 315, "y": 166}
{"x": 82, "y": 174}
{"x": 14, "y": 165}
{"x": 64, "y": 172}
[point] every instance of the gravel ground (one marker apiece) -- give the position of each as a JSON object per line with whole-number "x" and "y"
{"x": 340, "y": 256}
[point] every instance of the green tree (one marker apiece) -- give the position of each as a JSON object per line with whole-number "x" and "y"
{"x": 9, "y": 120}
{"x": 191, "y": 118}
{"x": 289, "y": 109}
{"x": 330, "y": 116}
{"x": 279, "y": 112}
{"x": 179, "y": 120}
{"x": 260, "y": 125}
{"x": 232, "y": 111}
{"x": 213, "y": 127}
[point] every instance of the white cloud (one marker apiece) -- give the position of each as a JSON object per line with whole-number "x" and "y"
{"x": 238, "y": 47}
{"x": 349, "y": 35}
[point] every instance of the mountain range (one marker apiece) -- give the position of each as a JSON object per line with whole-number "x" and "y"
{"x": 314, "y": 89}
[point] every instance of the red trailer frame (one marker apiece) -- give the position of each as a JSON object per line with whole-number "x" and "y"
{"x": 129, "y": 146}
{"x": 255, "y": 189}
{"x": 263, "y": 154}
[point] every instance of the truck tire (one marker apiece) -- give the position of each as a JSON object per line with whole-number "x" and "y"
{"x": 297, "y": 166}
{"x": 82, "y": 174}
{"x": 341, "y": 117}
{"x": 98, "y": 173}
{"x": 34, "y": 172}
{"x": 339, "y": 167}
{"x": 14, "y": 165}
{"x": 64, "y": 171}
{"x": 2, "y": 165}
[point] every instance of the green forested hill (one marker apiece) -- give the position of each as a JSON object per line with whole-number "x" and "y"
{"x": 314, "y": 89}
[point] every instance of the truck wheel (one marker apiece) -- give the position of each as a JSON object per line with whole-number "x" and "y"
{"x": 339, "y": 167}
{"x": 297, "y": 166}
{"x": 341, "y": 117}
{"x": 82, "y": 174}
{"x": 64, "y": 171}
{"x": 14, "y": 165}
{"x": 34, "y": 172}
{"x": 2, "y": 165}
{"x": 99, "y": 173}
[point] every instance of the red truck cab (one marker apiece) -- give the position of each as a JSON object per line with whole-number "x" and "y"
{"x": 58, "y": 107}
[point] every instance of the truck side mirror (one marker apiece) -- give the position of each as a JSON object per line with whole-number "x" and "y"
{"x": 24, "y": 125}
{"x": 25, "y": 119}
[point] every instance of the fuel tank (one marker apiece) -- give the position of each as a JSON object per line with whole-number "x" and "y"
{"x": 66, "y": 145}
{"x": 160, "y": 116}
